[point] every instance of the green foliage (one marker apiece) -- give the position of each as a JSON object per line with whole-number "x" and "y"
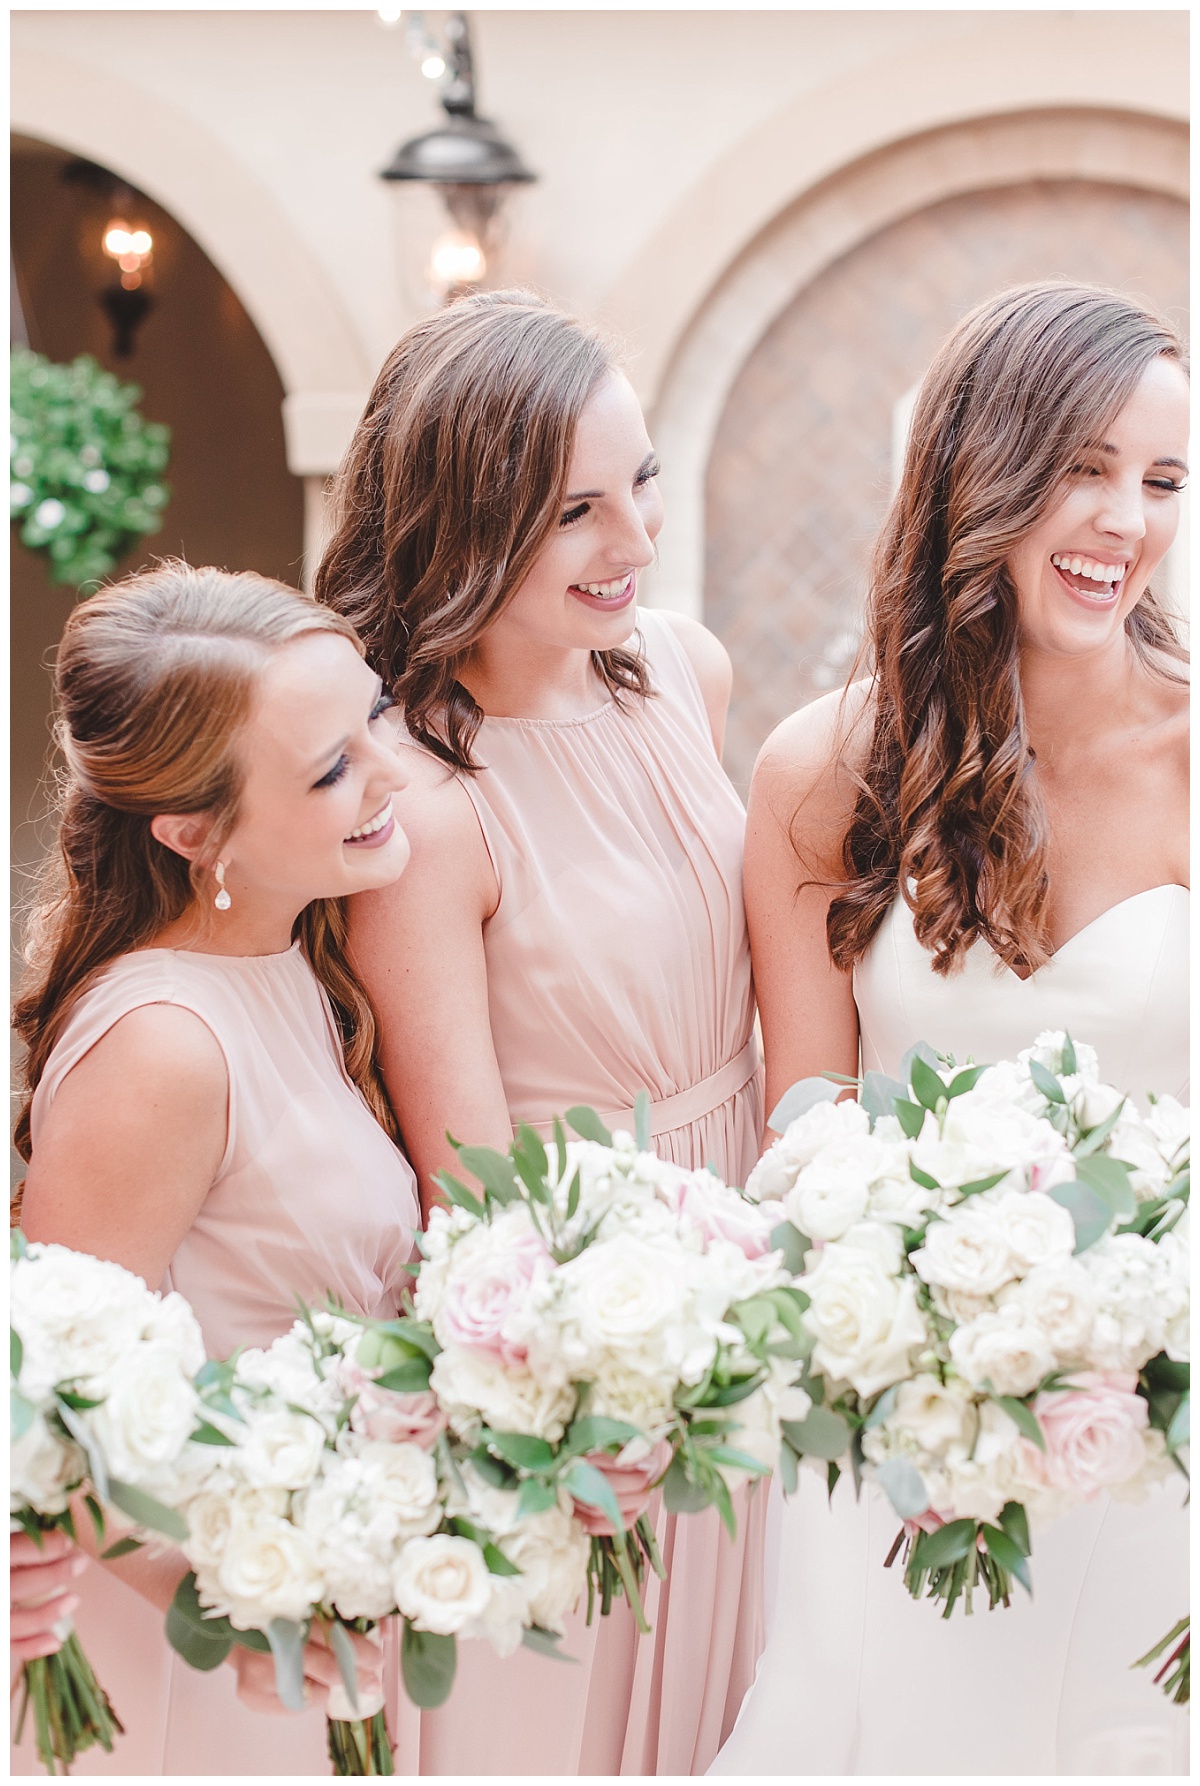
{"x": 428, "y": 1662}
{"x": 86, "y": 469}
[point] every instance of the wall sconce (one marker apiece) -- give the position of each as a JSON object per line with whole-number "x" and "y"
{"x": 467, "y": 159}
{"x": 126, "y": 302}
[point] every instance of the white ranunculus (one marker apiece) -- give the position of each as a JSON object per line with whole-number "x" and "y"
{"x": 477, "y": 1386}
{"x": 281, "y": 1449}
{"x": 1060, "y": 1299}
{"x": 1005, "y": 1349}
{"x": 43, "y": 1469}
{"x": 267, "y": 1570}
{"x": 938, "y": 1415}
{"x": 968, "y": 1251}
{"x": 1039, "y": 1231}
{"x": 441, "y": 1583}
{"x": 864, "y": 1319}
{"x": 147, "y": 1416}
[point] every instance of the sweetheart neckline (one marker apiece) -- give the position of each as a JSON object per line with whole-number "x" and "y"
{"x": 1163, "y": 887}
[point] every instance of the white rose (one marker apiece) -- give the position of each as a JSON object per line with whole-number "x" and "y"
{"x": 831, "y": 1192}
{"x": 76, "y": 1316}
{"x": 473, "y": 1386}
{"x": 209, "y": 1521}
{"x": 800, "y": 1143}
{"x": 551, "y": 1552}
{"x": 1039, "y": 1231}
{"x": 148, "y": 1415}
{"x": 172, "y": 1324}
{"x": 980, "y": 1137}
{"x": 938, "y": 1415}
{"x": 1094, "y": 1103}
{"x": 757, "y": 1420}
{"x": 968, "y": 1251}
{"x": 402, "y": 1482}
{"x": 1004, "y": 1349}
{"x": 281, "y": 1449}
{"x": 981, "y": 1481}
{"x": 1170, "y": 1122}
{"x": 441, "y": 1583}
{"x": 267, "y": 1570}
{"x": 624, "y": 1300}
{"x": 1132, "y": 1141}
{"x": 43, "y": 1469}
{"x": 865, "y": 1321}
{"x": 1058, "y": 1298}
{"x": 1047, "y": 1050}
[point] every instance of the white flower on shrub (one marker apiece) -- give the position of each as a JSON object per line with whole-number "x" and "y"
{"x": 441, "y": 1583}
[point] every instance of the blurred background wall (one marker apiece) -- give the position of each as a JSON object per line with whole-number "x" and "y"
{"x": 779, "y": 213}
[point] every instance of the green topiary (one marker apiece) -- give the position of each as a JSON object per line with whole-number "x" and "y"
{"x": 86, "y": 468}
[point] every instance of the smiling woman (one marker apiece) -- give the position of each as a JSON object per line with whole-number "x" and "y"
{"x": 570, "y": 930}
{"x": 191, "y": 1110}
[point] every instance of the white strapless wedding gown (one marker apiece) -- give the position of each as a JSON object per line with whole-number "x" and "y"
{"x": 857, "y": 1678}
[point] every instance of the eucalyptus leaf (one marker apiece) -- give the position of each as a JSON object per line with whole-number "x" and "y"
{"x": 883, "y": 1406}
{"x": 1001, "y": 1546}
{"x": 727, "y": 1395}
{"x": 822, "y": 1433}
{"x": 1096, "y": 1137}
{"x": 343, "y": 1653}
{"x": 595, "y": 1432}
{"x": 493, "y": 1170}
{"x": 922, "y": 1178}
{"x": 904, "y": 1485}
{"x": 755, "y": 1316}
{"x": 522, "y": 1450}
{"x": 207, "y": 1434}
{"x": 918, "y": 1051}
{"x": 641, "y": 1120}
{"x": 789, "y": 1241}
{"x": 286, "y": 1637}
{"x": 1090, "y": 1213}
{"x": 1046, "y": 1082}
{"x": 928, "y": 1086}
{"x": 203, "y": 1643}
{"x": 497, "y": 1562}
{"x": 428, "y": 1662}
{"x": 681, "y": 1494}
{"x": 541, "y": 1642}
{"x": 978, "y": 1185}
{"x": 146, "y": 1510}
{"x": 878, "y": 1090}
{"x": 1067, "y": 1060}
{"x": 588, "y": 1484}
{"x": 536, "y": 1497}
{"x": 798, "y": 1099}
{"x": 16, "y": 1352}
{"x": 1109, "y": 1178}
{"x": 457, "y": 1193}
{"x": 586, "y": 1123}
{"x": 1179, "y": 1433}
{"x": 1023, "y": 1418}
{"x": 789, "y": 1473}
{"x": 20, "y": 1415}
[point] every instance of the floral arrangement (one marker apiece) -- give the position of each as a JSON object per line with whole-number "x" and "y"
{"x": 996, "y": 1313}
{"x": 603, "y": 1321}
{"x": 102, "y": 1402}
{"x": 86, "y": 469}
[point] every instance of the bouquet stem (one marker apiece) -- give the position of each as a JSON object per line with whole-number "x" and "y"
{"x": 360, "y": 1746}
{"x": 71, "y": 1710}
{"x": 1175, "y": 1675}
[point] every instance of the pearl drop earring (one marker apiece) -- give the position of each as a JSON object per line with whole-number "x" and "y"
{"x": 222, "y": 901}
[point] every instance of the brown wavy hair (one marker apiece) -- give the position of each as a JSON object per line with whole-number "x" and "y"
{"x": 154, "y": 680}
{"x": 452, "y": 484}
{"x": 946, "y": 796}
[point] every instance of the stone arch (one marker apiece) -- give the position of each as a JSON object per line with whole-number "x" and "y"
{"x": 1133, "y": 149}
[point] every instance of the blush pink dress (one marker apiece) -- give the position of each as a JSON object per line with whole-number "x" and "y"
{"x": 311, "y": 1197}
{"x": 618, "y": 959}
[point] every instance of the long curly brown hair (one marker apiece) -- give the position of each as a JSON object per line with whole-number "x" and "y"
{"x": 154, "y": 679}
{"x": 946, "y": 800}
{"x": 452, "y": 484}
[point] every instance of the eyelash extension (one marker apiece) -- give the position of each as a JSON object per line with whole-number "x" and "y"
{"x": 576, "y": 514}
{"x": 335, "y": 774}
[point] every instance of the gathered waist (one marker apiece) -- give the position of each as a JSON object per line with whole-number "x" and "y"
{"x": 684, "y": 1107}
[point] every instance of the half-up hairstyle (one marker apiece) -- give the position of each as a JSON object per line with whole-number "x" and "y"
{"x": 154, "y": 680}
{"x": 452, "y": 484}
{"x": 947, "y": 808}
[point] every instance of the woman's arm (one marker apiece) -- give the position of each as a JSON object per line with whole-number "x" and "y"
{"x": 417, "y": 948}
{"x": 801, "y": 799}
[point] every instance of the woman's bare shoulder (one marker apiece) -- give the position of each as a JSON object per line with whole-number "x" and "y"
{"x": 815, "y": 746}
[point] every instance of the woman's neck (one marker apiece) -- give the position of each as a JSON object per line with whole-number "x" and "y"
{"x": 1069, "y": 701}
{"x": 515, "y": 677}
{"x": 245, "y": 929}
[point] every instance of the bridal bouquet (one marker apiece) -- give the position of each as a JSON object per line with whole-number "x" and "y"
{"x": 325, "y": 1494}
{"x": 997, "y": 1303}
{"x": 102, "y": 1403}
{"x": 604, "y": 1321}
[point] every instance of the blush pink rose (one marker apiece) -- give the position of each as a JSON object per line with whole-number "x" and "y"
{"x": 1093, "y": 1434}
{"x": 486, "y": 1291}
{"x": 632, "y": 1484}
{"x": 720, "y": 1214}
{"x": 390, "y": 1417}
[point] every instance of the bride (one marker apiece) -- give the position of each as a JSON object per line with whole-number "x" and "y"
{"x": 986, "y": 838}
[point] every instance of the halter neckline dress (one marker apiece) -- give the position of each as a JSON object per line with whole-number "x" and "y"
{"x": 311, "y": 1197}
{"x": 856, "y": 1677}
{"x": 617, "y": 959}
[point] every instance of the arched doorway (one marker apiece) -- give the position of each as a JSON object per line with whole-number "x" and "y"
{"x": 203, "y": 369}
{"x": 800, "y": 469}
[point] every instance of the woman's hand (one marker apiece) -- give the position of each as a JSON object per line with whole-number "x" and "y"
{"x": 255, "y": 1670}
{"x": 40, "y": 1597}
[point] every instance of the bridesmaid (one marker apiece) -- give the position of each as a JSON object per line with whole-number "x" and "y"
{"x": 189, "y": 1112}
{"x": 571, "y": 927}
